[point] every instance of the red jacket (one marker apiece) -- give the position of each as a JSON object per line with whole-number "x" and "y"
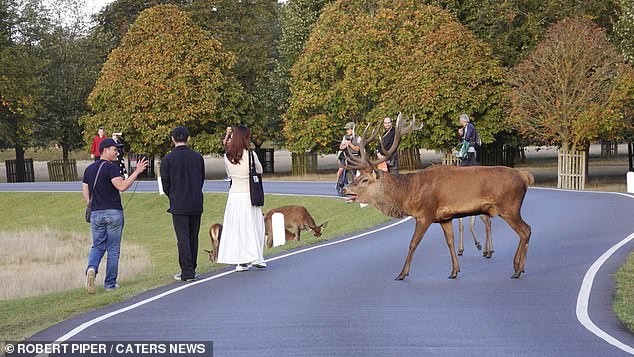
{"x": 94, "y": 148}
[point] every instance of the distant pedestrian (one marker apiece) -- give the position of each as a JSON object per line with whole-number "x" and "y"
{"x": 468, "y": 133}
{"x": 183, "y": 176}
{"x": 94, "y": 148}
{"x": 242, "y": 240}
{"x": 101, "y": 187}
{"x": 387, "y": 140}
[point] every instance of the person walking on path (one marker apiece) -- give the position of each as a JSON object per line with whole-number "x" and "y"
{"x": 101, "y": 187}
{"x": 183, "y": 176}
{"x": 242, "y": 240}
{"x": 94, "y": 148}
{"x": 468, "y": 133}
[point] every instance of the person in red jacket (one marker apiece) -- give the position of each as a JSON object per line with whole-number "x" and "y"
{"x": 94, "y": 148}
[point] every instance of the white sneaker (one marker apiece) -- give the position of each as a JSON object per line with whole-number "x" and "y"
{"x": 90, "y": 280}
{"x": 242, "y": 267}
{"x": 116, "y": 286}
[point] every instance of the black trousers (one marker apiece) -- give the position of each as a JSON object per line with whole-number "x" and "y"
{"x": 470, "y": 160}
{"x": 187, "y": 228}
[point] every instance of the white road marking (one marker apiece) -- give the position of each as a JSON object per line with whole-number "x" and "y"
{"x": 96, "y": 320}
{"x": 582, "y": 299}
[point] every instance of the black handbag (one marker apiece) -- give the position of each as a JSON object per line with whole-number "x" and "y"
{"x": 88, "y": 210}
{"x": 255, "y": 184}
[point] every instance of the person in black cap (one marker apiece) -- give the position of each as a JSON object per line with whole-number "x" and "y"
{"x": 183, "y": 176}
{"x": 101, "y": 187}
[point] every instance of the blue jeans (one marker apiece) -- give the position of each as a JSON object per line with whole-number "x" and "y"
{"x": 106, "y": 227}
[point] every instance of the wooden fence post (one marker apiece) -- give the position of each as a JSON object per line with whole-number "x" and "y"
{"x": 571, "y": 170}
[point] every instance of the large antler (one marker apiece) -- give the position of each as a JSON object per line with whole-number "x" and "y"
{"x": 362, "y": 162}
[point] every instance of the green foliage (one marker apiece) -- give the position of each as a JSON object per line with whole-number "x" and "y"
{"x": 563, "y": 93}
{"x": 624, "y": 30}
{"x": 366, "y": 60}
{"x": 21, "y": 93}
{"x": 167, "y": 72}
{"x": 513, "y": 27}
{"x": 250, "y": 30}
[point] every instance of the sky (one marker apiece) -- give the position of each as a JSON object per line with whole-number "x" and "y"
{"x": 93, "y": 6}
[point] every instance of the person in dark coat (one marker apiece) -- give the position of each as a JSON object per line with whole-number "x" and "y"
{"x": 387, "y": 139}
{"x": 182, "y": 176}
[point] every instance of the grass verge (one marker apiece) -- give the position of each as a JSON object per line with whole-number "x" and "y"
{"x": 624, "y": 300}
{"x": 148, "y": 225}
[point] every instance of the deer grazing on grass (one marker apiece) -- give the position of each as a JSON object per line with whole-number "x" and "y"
{"x": 296, "y": 217}
{"x": 214, "y": 233}
{"x": 439, "y": 194}
{"x": 488, "y": 241}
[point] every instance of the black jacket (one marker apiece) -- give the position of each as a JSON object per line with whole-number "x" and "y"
{"x": 183, "y": 176}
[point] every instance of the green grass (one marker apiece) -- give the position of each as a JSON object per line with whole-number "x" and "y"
{"x": 148, "y": 225}
{"x": 624, "y": 300}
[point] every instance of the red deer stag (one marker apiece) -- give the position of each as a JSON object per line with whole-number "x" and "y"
{"x": 296, "y": 217}
{"x": 214, "y": 233}
{"x": 488, "y": 241}
{"x": 439, "y": 194}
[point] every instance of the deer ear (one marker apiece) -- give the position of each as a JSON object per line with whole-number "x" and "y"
{"x": 323, "y": 225}
{"x": 377, "y": 173}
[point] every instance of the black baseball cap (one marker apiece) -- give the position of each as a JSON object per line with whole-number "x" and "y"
{"x": 108, "y": 142}
{"x": 180, "y": 134}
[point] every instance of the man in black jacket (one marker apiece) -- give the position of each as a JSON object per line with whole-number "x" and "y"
{"x": 182, "y": 176}
{"x": 387, "y": 139}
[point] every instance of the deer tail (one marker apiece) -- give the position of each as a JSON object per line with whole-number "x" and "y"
{"x": 527, "y": 177}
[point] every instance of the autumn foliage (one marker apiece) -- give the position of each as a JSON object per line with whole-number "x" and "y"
{"x": 566, "y": 93}
{"x": 167, "y": 72}
{"x": 366, "y": 60}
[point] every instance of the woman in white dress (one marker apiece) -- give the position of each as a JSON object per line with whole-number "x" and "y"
{"x": 242, "y": 239}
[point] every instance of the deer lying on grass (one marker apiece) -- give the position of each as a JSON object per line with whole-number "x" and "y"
{"x": 488, "y": 241}
{"x": 296, "y": 217}
{"x": 439, "y": 194}
{"x": 214, "y": 233}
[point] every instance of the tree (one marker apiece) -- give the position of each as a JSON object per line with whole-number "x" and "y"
{"x": 249, "y": 29}
{"x": 624, "y": 30}
{"x": 73, "y": 68}
{"x": 21, "y": 78}
{"x": 513, "y": 27}
{"x": 562, "y": 92}
{"x": 297, "y": 18}
{"x": 366, "y": 60}
{"x": 167, "y": 72}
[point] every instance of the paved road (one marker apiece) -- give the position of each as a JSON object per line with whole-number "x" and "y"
{"x": 341, "y": 299}
{"x": 277, "y": 187}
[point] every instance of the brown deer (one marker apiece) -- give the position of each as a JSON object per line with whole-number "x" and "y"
{"x": 296, "y": 217}
{"x": 488, "y": 241}
{"x": 439, "y": 194}
{"x": 215, "y": 231}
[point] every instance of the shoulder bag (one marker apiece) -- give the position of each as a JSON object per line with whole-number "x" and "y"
{"x": 88, "y": 209}
{"x": 463, "y": 151}
{"x": 255, "y": 184}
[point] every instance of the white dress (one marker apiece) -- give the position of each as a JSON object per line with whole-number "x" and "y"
{"x": 242, "y": 239}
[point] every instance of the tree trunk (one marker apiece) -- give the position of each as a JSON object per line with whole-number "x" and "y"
{"x": 630, "y": 154}
{"x": 65, "y": 152}
{"x": 20, "y": 172}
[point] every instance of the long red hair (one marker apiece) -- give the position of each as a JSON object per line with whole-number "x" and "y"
{"x": 240, "y": 141}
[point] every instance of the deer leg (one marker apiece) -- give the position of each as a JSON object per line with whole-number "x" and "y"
{"x": 460, "y": 230}
{"x": 523, "y": 230}
{"x": 419, "y": 231}
{"x": 472, "y": 229}
{"x": 488, "y": 244}
{"x": 298, "y": 232}
{"x": 447, "y": 228}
